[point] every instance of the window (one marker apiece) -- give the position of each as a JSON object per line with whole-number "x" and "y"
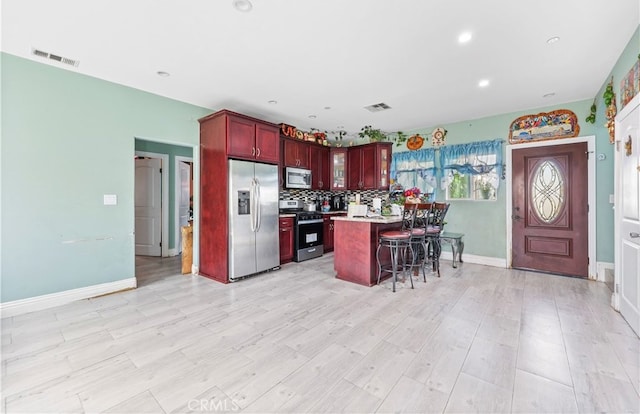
{"x": 472, "y": 171}
{"x": 416, "y": 169}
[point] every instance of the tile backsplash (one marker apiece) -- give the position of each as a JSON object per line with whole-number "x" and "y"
{"x": 366, "y": 196}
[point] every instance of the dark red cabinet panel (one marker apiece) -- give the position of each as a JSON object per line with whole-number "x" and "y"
{"x": 319, "y": 161}
{"x": 286, "y": 239}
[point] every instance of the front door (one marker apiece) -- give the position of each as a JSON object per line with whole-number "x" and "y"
{"x": 148, "y": 206}
{"x": 628, "y": 216}
{"x": 550, "y": 209}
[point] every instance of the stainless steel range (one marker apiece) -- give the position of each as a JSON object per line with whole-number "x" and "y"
{"x": 308, "y": 230}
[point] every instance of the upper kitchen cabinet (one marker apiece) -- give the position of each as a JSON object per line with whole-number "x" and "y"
{"x": 368, "y": 166}
{"x": 296, "y": 153}
{"x": 251, "y": 139}
{"x": 338, "y": 169}
{"x": 319, "y": 161}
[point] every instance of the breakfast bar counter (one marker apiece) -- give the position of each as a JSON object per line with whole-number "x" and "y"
{"x": 355, "y": 245}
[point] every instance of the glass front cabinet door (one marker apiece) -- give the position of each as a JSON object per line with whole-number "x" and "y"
{"x": 385, "y": 161}
{"x": 338, "y": 168}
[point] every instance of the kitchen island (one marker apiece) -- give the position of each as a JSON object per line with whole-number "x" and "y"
{"x": 355, "y": 244}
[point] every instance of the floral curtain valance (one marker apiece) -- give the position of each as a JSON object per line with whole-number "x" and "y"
{"x": 472, "y": 158}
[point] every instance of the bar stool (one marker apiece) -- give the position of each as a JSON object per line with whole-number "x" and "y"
{"x": 434, "y": 229}
{"x": 419, "y": 238}
{"x": 398, "y": 241}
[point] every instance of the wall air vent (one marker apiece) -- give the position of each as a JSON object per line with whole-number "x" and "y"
{"x": 51, "y": 56}
{"x": 377, "y": 107}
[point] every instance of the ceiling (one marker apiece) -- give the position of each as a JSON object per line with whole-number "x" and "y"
{"x": 329, "y": 59}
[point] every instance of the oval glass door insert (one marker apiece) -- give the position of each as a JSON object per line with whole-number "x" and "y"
{"x": 547, "y": 191}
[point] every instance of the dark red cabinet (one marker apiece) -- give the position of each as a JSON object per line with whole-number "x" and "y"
{"x": 295, "y": 153}
{"x": 319, "y": 162}
{"x": 368, "y": 166}
{"x": 286, "y": 239}
{"x": 252, "y": 140}
{"x": 327, "y": 234}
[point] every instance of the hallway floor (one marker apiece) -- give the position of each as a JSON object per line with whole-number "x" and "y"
{"x": 478, "y": 339}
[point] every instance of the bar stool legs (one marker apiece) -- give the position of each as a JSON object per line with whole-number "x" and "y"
{"x": 433, "y": 253}
{"x": 398, "y": 252}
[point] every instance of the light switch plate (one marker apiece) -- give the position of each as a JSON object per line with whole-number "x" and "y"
{"x": 611, "y": 199}
{"x": 110, "y": 199}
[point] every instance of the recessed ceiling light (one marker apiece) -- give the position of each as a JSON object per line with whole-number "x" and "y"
{"x": 272, "y": 102}
{"x": 312, "y": 116}
{"x": 549, "y": 95}
{"x": 242, "y": 5}
{"x": 553, "y": 39}
{"x": 163, "y": 73}
{"x": 464, "y": 37}
{"x": 483, "y": 83}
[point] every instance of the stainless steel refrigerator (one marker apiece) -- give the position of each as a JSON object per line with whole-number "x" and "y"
{"x": 254, "y": 245}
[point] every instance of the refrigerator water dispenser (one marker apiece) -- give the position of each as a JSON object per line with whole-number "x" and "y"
{"x": 243, "y": 202}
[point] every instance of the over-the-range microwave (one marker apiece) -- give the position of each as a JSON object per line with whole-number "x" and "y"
{"x": 297, "y": 177}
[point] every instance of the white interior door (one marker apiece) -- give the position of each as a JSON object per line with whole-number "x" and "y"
{"x": 627, "y": 266}
{"x": 148, "y": 206}
{"x": 184, "y": 198}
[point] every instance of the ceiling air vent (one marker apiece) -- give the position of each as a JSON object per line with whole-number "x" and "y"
{"x": 51, "y": 56}
{"x": 377, "y": 107}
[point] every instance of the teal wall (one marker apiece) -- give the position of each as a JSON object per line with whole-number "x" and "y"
{"x": 172, "y": 151}
{"x": 68, "y": 139}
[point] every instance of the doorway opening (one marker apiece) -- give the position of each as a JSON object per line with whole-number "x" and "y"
{"x": 151, "y": 198}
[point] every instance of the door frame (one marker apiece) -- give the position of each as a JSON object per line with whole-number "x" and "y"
{"x": 617, "y": 217}
{"x": 164, "y": 204}
{"x": 591, "y": 196}
{"x": 176, "y": 202}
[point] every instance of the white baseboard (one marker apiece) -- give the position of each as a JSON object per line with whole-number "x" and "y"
{"x": 36, "y": 303}
{"x": 173, "y": 252}
{"x": 600, "y": 270}
{"x": 481, "y": 260}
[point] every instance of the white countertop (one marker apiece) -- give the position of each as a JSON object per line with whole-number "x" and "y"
{"x": 377, "y": 219}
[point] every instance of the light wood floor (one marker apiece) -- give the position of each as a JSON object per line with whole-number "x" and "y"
{"x": 479, "y": 339}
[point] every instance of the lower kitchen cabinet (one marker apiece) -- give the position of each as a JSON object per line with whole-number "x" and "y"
{"x": 328, "y": 231}
{"x": 286, "y": 239}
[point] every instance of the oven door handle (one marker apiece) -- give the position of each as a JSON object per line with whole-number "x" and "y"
{"x": 311, "y": 221}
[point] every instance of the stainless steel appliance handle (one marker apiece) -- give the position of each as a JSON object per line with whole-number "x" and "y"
{"x": 314, "y": 221}
{"x": 258, "y": 207}
{"x": 252, "y": 204}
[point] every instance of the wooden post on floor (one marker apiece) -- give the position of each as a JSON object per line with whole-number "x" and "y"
{"x": 187, "y": 249}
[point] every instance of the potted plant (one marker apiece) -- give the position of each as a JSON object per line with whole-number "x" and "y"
{"x": 486, "y": 189}
{"x": 374, "y": 134}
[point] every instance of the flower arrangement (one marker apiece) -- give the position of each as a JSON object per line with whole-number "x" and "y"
{"x": 411, "y": 195}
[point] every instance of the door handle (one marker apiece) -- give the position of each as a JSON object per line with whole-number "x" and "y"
{"x": 258, "y": 153}
{"x": 516, "y": 217}
{"x": 634, "y": 235}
